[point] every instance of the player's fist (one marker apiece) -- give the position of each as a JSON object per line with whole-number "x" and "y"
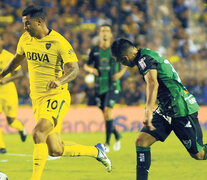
{"x": 117, "y": 76}
{"x": 94, "y": 71}
{"x": 53, "y": 84}
{"x": 148, "y": 120}
{"x": 2, "y": 81}
{"x": 149, "y": 125}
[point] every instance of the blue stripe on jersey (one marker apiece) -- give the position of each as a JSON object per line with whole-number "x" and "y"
{"x": 62, "y": 66}
{"x": 60, "y": 109}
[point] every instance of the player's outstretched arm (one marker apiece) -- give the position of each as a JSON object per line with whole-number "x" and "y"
{"x": 151, "y": 93}
{"x": 12, "y": 65}
{"x": 71, "y": 71}
{"x": 90, "y": 69}
{"x": 119, "y": 74}
{"x": 15, "y": 75}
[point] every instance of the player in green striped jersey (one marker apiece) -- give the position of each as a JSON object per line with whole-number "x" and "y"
{"x": 107, "y": 81}
{"x": 177, "y": 109}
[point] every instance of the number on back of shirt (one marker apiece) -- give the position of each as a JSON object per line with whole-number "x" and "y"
{"x": 173, "y": 70}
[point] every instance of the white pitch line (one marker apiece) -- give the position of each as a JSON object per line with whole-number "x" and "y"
{"x": 11, "y": 154}
{"x": 4, "y": 160}
{"x": 50, "y": 158}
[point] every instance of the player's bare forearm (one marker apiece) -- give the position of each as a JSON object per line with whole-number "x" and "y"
{"x": 12, "y": 65}
{"x": 151, "y": 93}
{"x": 15, "y": 75}
{"x": 119, "y": 74}
{"x": 71, "y": 71}
{"x": 90, "y": 69}
{"x": 151, "y": 89}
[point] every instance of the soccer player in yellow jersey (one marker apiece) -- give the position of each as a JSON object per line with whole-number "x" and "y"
{"x": 8, "y": 96}
{"x": 52, "y": 63}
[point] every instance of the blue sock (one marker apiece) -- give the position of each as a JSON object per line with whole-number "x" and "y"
{"x": 143, "y": 162}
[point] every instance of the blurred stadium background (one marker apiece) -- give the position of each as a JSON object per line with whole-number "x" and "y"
{"x": 174, "y": 28}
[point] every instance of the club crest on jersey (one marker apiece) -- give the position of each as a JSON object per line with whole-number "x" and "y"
{"x": 48, "y": 45}
{"x": 187, "y": 143}
{"x": 142, "y": 63}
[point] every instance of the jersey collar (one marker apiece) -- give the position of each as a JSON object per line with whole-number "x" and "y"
{"x": 49, "y": 31}
{"x": 136, "y": 59}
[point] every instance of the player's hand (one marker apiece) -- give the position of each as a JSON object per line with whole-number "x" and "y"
{"x": 148, "y": 121}
{"x": 95, "y": 72}
{"x": 1, "y": 76}
{"x": 53, "y": 84}
{"x": 2, "y": 82}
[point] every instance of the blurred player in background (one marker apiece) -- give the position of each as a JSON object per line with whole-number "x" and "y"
{"x": 52, "y": 63}
{"x": 8, "y": 96}
{"x": 177, "y": 109}
{"x": 107, "y": 81}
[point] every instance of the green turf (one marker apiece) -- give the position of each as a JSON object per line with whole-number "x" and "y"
{"x": 170, "y": 161}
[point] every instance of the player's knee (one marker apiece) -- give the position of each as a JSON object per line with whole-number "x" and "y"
{"x": 38, "y": 136}
{"x": 141, "y": 142}
{"x": 106, "y": 116}
{"x": 107, "y": 113}
{"x": 198, "y": 156}
{"x": 10, "y": 120}
{"x": 57, "y": 151}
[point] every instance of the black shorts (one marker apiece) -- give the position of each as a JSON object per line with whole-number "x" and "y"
{"x": 107, "y": 99}
{"x": 187, "y": 129}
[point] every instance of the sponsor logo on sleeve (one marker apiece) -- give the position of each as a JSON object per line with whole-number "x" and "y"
{"x": 142, "y": 63}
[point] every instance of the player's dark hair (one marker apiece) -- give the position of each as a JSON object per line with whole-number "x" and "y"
{"x": 120, "y": 47}
{"x": 107, "y": 25}
{"x": 34, "y": 12}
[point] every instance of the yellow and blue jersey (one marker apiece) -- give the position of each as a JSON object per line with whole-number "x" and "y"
{"x": 5, "y": 57}
{"x": 46, "y": 58}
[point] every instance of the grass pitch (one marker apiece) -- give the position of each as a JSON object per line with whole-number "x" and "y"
{"x": 170, "y": 160}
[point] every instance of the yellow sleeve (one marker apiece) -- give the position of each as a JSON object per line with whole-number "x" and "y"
{"x": 9, "y": 56}
{"x": 20, "y": 50}
{"x": 66, "y": 51}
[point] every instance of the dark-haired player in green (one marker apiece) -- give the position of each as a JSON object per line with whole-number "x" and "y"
{"x": 107, "y": 80}
{"x": 177, "y": 109}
